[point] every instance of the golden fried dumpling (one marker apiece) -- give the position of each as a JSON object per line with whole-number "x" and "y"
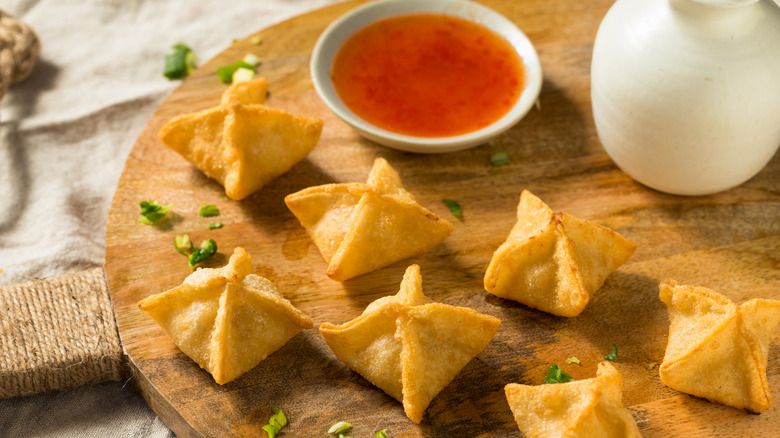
{"x": 241, "y": 143}
{"x": 226, "y": 319}
{"x": 554, "y": 261}
{"x": 362, "y": 227}
{"x": 584, "y": 408}
{"x": 246, "y": 92}
{"x": 716, "y": 349}
{"x": 408, "y": 346}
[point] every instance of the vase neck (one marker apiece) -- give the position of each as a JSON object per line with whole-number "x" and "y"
{"x": 717, "y": 13}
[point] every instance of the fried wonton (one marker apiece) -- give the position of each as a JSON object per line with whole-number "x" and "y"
{"x": 362, "y": 227}
{"x": 553, "y": 261}
{"x": 583, "y": 408}
{"x": 247, "y": 92}
{"x": 408, "y": 346}
{"x": 718, "y": 350}
{"x": 227, "y": 320}
{"x": 241, "y": 143}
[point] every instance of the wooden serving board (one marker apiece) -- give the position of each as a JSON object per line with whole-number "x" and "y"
{"x": 729, "y": 242}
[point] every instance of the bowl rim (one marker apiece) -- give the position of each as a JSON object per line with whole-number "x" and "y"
{"x": 332, "y": 38}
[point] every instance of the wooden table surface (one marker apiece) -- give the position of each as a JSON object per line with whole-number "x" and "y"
{"x": 729, "y": 242}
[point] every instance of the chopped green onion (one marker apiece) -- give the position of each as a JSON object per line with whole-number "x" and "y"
{"x": 339, "y": 427}
{"x": 275, "y": 423}
{"x": 556, "y": 375}
{"x": 243, "y": 75}
{"x": 183, "y": 244}
{"x": 179, "y": 62}
{"x": 216, "y": 225}
{"x": 251, "y": 59}
{"x": 573, "y": 359}
{"x": 279, "y": 417}
{"x": 235, "y": 40}
{"x": 207, "y": 249}
{"x": 208, "y": 210}
{"x": 271, "y": 430}
{"x": 226, "y": 72}
{"x": 256, "y": 40}
{"x": 454, "y": 207}
{"x": 381, "y": 434}
{"x": 151, "y": 212}
{"x": 499, "y": 158}
{"x": 613, "y": 355}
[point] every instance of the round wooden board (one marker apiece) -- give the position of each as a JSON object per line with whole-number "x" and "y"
{"x": 729, "y": 242}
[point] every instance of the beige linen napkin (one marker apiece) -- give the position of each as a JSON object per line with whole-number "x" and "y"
{"x": 64, "y": 136}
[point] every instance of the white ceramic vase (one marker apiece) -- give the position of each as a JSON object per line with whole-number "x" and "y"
{"x": 686, "y": 93}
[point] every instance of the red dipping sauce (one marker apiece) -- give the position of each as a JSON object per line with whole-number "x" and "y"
{"x": 428, "y": 75}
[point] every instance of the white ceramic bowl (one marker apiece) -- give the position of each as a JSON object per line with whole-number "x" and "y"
{"x": 341, "y": 29}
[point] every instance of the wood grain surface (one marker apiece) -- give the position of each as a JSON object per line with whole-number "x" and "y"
{"x": 729, "y": 242}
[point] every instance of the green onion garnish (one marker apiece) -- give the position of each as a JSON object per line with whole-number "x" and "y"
{"x": 208, "y": 210}
{"x": 573, "y": 360}
{"x": 499, "y": 158}
{"x": 216, "y": 225}
{"x": 151, "y": 212}
{"x": 381, "y": 434}
{"x": 207, "y": 249}
{"x": 179, "y": 62}
{"x": 183, "y": 244}
{"x": 226, "y": 72}
{"x": 613, "y": 355}
{"x": 339, "y": 427}
{"x": 243, "y": 75}
{"x": 275, "y": 423}
{"x": 251, "y": 59}
{"x": 454, "y": 207}
{"x": 556, "y": 375}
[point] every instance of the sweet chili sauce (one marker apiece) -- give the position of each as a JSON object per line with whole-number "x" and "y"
{"x": 428, "y": 75}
